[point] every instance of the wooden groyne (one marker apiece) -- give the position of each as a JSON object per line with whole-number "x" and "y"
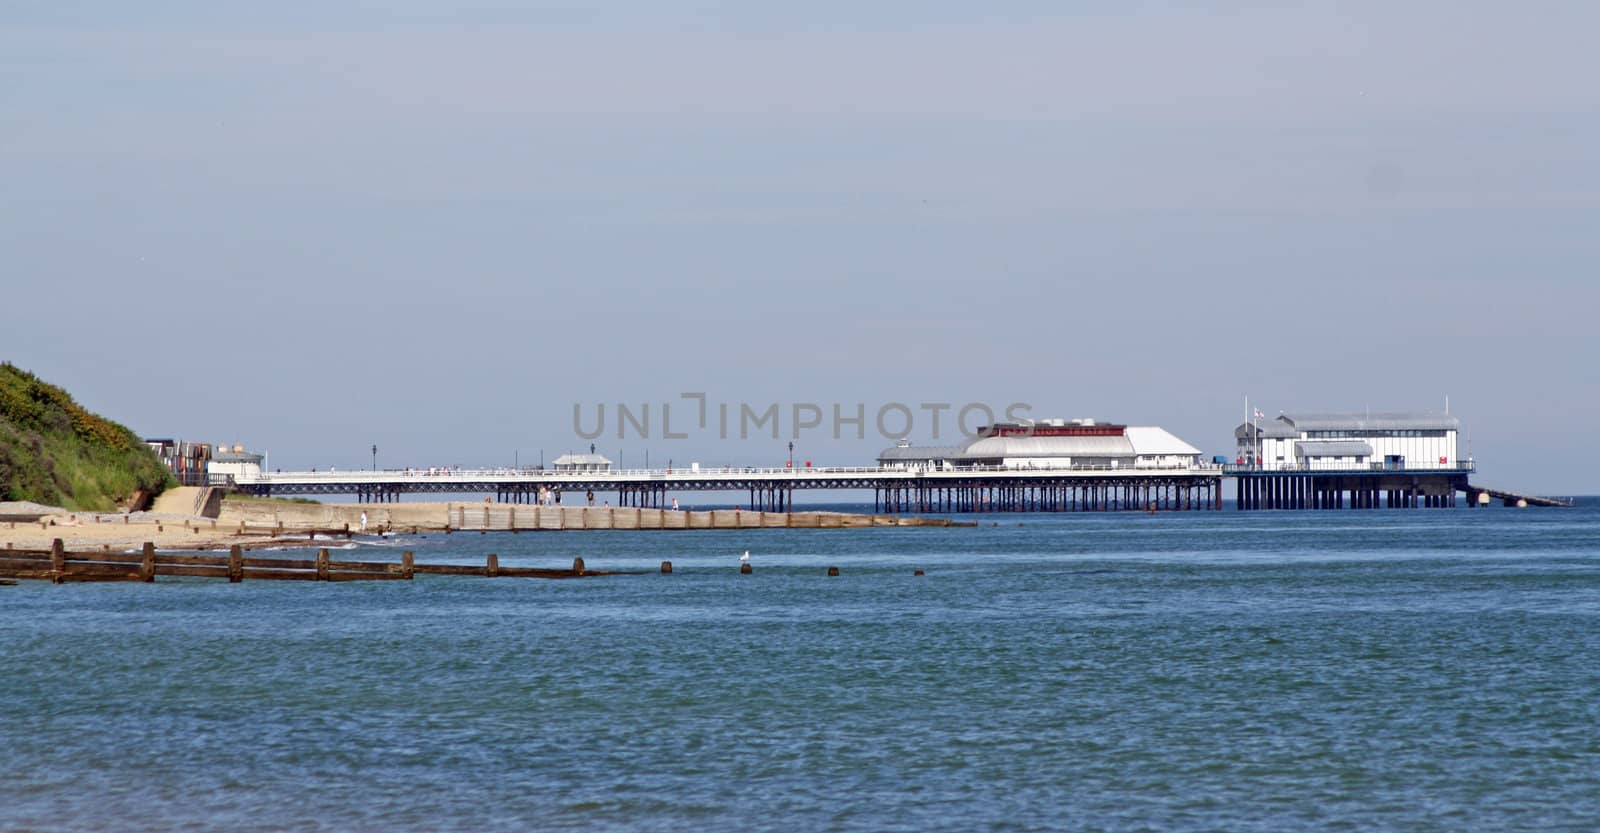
{"x": 59, "y": 566}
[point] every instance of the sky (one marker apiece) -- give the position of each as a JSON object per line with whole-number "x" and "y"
{"x": 311, "y": 228}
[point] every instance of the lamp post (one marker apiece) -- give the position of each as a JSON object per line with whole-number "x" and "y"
{"x": 374, "y": 456}
{"x": 791, "y": 454}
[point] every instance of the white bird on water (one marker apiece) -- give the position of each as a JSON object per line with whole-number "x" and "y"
{"x": 746, "y": 556}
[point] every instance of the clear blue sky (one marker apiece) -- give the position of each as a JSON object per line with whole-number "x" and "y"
{"x": 311, "y": 227}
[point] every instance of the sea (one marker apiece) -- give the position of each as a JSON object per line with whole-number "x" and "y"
{"x": 1380, "y": 670}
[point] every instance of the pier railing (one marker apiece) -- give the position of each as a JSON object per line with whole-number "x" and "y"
{"x": 670, "y": 474}
{"x": 1362, "y": 468}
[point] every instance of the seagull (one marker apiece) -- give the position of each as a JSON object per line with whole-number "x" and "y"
{"x": 746, "y": 556}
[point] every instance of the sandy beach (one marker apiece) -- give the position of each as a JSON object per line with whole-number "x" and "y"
{"x": 173, "y": 524}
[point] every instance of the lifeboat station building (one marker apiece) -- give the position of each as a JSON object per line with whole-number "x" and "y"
{"x": 1388, "y": 441}
{"x": 1315, "y": 461}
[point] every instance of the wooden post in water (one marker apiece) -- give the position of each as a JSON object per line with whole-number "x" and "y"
{"x": 58, "y": 561}
{"x": 322, "y": 565}
{"x": 666, "y": 566}
{"x": 745, "y": 569}
{"x": 147, "y": 567}
{"x": 408, "y": 565}
{"x": 833, "y": 571}
{"x": 235, "y": 564}
{"x": 577, "y": 565}
{"x": 492, "y": 570}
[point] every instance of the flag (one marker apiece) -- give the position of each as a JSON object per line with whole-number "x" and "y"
{"x": 1260, "y": 415}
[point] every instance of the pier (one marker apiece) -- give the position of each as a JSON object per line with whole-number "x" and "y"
{"x": 1369, "y": 487}
{"x": 1087, "y": 488}
{"x": 1349, "y": 487}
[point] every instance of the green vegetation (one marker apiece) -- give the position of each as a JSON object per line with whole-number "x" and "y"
{"x": 54, "y": 452}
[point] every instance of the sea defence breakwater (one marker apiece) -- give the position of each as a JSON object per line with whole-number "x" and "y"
{"x": 59, "y": 565}
{"x": 500, "y": 517}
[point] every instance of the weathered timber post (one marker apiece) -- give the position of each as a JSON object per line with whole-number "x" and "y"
{"x": 235, "y": 564}
{"x": 347, "y": 529}
{"x": 833, "y": 571}
{"x": 492, "y": 569}
{"x": 578, "y": 566}
{"x": 58, "y": 561}
{"x": 147, "y": 566}
{"x": 745, "y": 569}
{"x": 917, "y": 573}
{"x": 666, "y": 566}
{"x": 408, "y": 565}
{"x": 322, "y": 565}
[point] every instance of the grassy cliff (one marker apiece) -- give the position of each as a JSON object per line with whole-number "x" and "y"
{"x": 54, "y": 452}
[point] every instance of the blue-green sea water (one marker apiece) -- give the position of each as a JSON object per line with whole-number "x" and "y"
{"x": 1382, "y": 670}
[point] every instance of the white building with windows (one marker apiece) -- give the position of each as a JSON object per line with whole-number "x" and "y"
{"x": 234, "y": 463}
{"x": 581, "y": 463}
{"x": 1389, "y": 441}
{"x": 1053, "y": 444}
{"x": 923, "y": 457}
